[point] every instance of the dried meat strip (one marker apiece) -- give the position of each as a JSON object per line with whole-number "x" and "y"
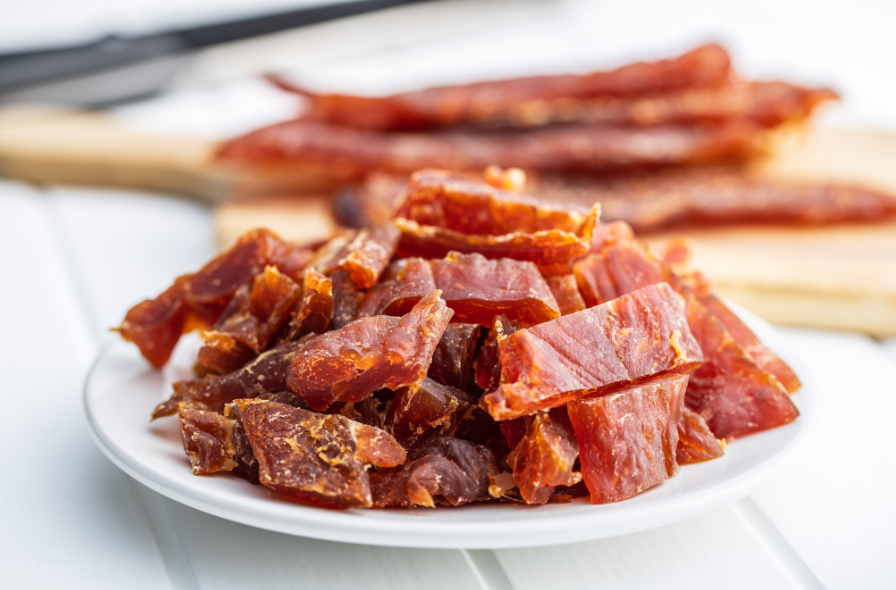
{"x": 445, "y": 470}
{"x": 305, "y": 152}
{"x": 316, "y": 459}
{"x": 545, "y": 456}
{"x": 628, "y": 438}
{"x": 638, "y": 335}
{"x": 402, "y": 285}
{"x": 350, "y": 363}
{"x": 365, "y": 255}
{"x": 198, "y": 299}
{"x": 566, "y": 292}
{"x": 696, "y": 442}
{"x": 487, "y": 366}
{"x": 708, "y": 65}
{"x": 424, "y": 410}
{"x": 315, "y": 307}
{"x": 346, "y": 299}
{"x": 208, "y": 440}
{"x": 452, "y": 360}
{"x": 478, "y": 289}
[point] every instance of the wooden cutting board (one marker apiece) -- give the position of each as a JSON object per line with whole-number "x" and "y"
{"x": 841, "y": 277}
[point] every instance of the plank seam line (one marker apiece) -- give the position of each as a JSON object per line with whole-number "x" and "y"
{"x": 487, "y": 569}
{"x": 72, "y": 281}
{"x": 777, "y": 545}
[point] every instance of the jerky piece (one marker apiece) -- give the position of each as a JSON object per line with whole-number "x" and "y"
{"x": 265, "y": 374}
{"x": 637, "y": 335}
{"x": 470, "y": 206}
{"x": 628, "y": 438}
{"x": 445, "y": 470}
{"x": 514, "y": 430}
{"x": 485, "y": 102}
{"x": 313, "y": 458}
{"x": 346, "y": 299}
{"x": 696, "y": 442}
{"x": 730, "y": 391}
{"x": 607, "y": 234}
{"x": 616, "y": 270}
{"x": 566, "y": 292}
{"x": 350, "y": 363}
{"x": 198, "y": 299}
{"x": 207, "y": 439}
{"x": 364, "y": 411}
{"x": 759, "y": 352}
{"x": 308, "y": 152}
{"x": 487, "y": 366}
{"x": 366, "y": 254}
{"x": 315, "y": 307}
{"x": 478, "y": 289}
{"x": 223, "y": 353}
{"x": 552, "y": 251}
{"x": 452, "y": 360}
{"x": 545, "y": 456}
{"x": 403, "y": 284}
{"x": 424, "y": 409}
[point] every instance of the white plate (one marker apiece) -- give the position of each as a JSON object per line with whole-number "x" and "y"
{"x": 121, "y": 390}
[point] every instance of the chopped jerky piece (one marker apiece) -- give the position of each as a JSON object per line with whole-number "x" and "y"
{"x": 452, "y": 360}
{"x": 477, "y": 427}
{"x": 730, "y": 391}
{"x": 444, "y": 470}
{"x": 484, "y": 102}
{"x": 265, "y": 374}
{"x": 552, "y": 251}
{"x": 223, "y": 353}
{"x": 487, "y": 366}
{"x": 468, "y": 205}
{"x": 315, "y": 307}
{"x": 545, "y": 456}
{"x": 207, "y": 439}
{"x": 425, "y": 409}
{"x": 627, "y": 439}
{"x": 366, "y": 254}
{"x": 313, "y": 458}
{"x": 308, "y": 152}
{"x": 198, "y": 299}
{"x": 514, "y": 430}
{"x": 759, "y": 352}
{"x": 607, "y": 234}
{"x": 616, "y": 270}
{"x": 696, "y": 442}
{"x": 478, "y": 289}
{"x": 364, "y": 411}
{"x": 403, "y": 284}
{"x": 634, "y": 336}
{"x": 346, "y": 299}
{"x": 566, "y": 292}
{"x": 350, "y": 363}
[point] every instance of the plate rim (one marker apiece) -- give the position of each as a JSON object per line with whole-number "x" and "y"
{"x": 554, "y": 529}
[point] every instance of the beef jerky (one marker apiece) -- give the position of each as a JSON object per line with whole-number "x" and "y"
{"x": 566, "y": 292}
{"x": 223, "y": 353}
{"x": 487, "y": 366}
{"x": 365, "y": 255}
{"x": 616, "y": 270}
{"x": 445, "y": 470}
{"x": 304, "y": 151}
{"x": 632, "y": 337}
{"x": 265, "y": 374}
{"x": 314, "y": 458}
{"x": 478, "y": 289}
{"x": 696, "y": 442}
{"x": 346, "y": 299}
{"x": 628, "y": 438}
{"x": 315, "y": 307}
{"x": 545, "y": 456}
{"x": 424, "y": 410}
{"x": 486, "y": 101}
{"x": 198, "y": 299}
{"x": 403, "y": 284}
{"x": 350, "y": 363}
{"x": 208, "y": 440}
{"x": 452, "y": 360}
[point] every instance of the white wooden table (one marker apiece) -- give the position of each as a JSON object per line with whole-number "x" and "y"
{"x": 73, "y": 261}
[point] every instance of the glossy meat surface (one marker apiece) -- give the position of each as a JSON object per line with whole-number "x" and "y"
{"x": 616, "y": 270}
{"x": 402, "y": 285}
{"x": 545, "y": 456}
{"x": 638, "y": 335}
{"x": 346, "y": 299}
{"x": 314, "y": 458}
{"x": 478, "y": 289}
{"x": 265, "y": 374}
{"x": 487, "y": 366}
{"x": 350, "y": 363}
{"x": 628, "y": 438}
{"x": 696, "y": 442}
{"x": 452, "y": 360}
{"x": 367, "y": 254}
{"x": 485, "y": 102}
{"x": 315, "y": 307}
{"x": 424, "y": 410}
{"x": 566, "y": 291}
{"x": 444, "y": 471}
{"x": 208, "y": 440}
